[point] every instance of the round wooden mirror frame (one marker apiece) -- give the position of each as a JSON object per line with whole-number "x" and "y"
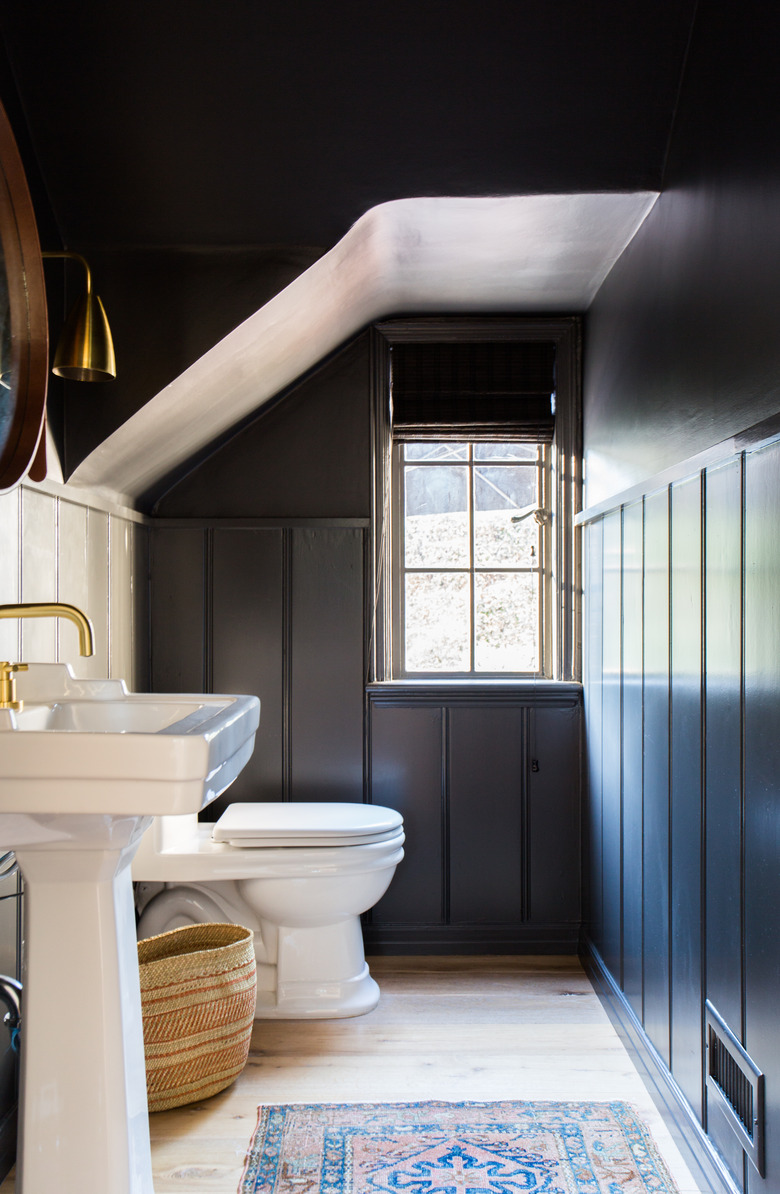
{"x": 21, "y": 253}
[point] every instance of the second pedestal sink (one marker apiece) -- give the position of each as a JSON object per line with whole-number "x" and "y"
{"x": 84, "y": 765}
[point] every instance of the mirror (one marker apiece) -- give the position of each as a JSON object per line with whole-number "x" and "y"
{"x": 23, "y": 327}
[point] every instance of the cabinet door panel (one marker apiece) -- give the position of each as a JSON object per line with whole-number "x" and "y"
{"x": 554, "y": 816}
{"x": 486, "y": 796}
{"x": 406, "y": 774}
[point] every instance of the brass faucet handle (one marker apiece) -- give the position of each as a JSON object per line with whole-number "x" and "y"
{"x": 8, "y": 684}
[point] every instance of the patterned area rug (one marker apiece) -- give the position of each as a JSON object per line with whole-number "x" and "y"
{"x": 453, "y": 1148}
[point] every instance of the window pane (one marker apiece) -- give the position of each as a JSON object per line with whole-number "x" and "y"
{"x": 436, "y": 529}
{"x": 505, "y": 530}
{"x": 506, "y": 622}
{"x": 437, "y": 451}
{"x": 512, "y": 451}
{"x": 437, "y": 622}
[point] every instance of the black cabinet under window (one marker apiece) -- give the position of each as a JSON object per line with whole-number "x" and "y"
{"x": 487, "y": 778}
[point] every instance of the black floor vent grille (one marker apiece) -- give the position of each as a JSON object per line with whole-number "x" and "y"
{"x": 737, "y": 1083}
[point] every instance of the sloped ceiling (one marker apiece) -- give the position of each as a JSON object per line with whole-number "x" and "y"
{"x": 263, "y": 128}
{"x": 527, "y": 253}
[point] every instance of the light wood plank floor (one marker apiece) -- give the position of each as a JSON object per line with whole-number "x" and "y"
{"x": 446, "y": 1028}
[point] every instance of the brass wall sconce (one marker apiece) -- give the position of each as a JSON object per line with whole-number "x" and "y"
{"x": 85, "y": 350}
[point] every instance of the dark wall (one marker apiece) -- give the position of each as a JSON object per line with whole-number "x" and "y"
{"x": 260, "y": 583}
{"x": 682, "y": 699}
{"x": 681, "y": 346}
{"x": 278, "y": 611}
{"x": 307, "y": 456}
{"x": 166, "y": 307}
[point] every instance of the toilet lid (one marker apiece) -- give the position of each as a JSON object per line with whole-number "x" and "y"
{"x": 291, "y": 824}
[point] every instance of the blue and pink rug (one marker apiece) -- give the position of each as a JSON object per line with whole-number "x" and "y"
{"x": 453, "y": 1148}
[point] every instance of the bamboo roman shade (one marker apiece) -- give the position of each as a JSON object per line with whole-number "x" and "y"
{"x": 478, "y": 390}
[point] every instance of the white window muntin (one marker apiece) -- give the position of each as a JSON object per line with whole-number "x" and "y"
{"x": 466, "y": 562}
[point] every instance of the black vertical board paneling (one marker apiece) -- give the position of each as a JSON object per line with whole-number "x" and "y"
{"x": 686, "y": 807}
{"x": 721, "y": 1133}
{"x": 328, "y": 668}
{"x": 723, "y": 769}
{"x": 633, "y": 551}
{"x": 655, "y": 875}
{"x": 593, "y": 548}
{"x": 611, "y": 829}
{"x": 762, "y": 786}
{"x": 178, "y": 610}
{"x": 486, "y": 816}
{"x": 406, "y": 774}
{"x": 247, "y": 646}
{"x": 723, "y": 758}
{"x": 553, "y": 816}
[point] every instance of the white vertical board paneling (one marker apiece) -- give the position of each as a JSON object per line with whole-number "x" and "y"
{"x": 121, "y": 555}
{"x": 56, "y": 549}
{"x": 139, "y": 623}
{"x": 9, "y": 570}
{"x": 72, "y": 580}
{"x": 39, "y": 573}
{"x": 97, "y": 591}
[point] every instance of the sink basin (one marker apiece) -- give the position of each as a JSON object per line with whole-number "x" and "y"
{"x": 84, "y": 766}
{"x": 134, "y": 715}
{"x": 90, "y": 746}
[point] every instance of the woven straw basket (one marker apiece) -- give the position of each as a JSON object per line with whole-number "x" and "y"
{"x": 198, "y": 987}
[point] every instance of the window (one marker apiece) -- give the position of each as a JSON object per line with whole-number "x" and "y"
{"x": 470, "y": 557}
{"x": 476, "y": 452}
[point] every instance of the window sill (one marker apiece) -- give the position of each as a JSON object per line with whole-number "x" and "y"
{"x": 487, "y": 692}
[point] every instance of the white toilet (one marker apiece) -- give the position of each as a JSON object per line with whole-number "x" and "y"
{"x": 298, "y": 875}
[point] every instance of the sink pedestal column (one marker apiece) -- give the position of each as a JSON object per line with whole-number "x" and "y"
{"x": 84, "y": 1126}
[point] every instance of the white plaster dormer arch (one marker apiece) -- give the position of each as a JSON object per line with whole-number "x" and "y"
{"x": 530, "y": 253}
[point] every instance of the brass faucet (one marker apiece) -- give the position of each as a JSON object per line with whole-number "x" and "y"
{"x": 8, "y": 685}
{"x": 40, "y": 609}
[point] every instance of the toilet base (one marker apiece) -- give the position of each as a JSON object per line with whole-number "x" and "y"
{"x": 303, "y": 972}
{"x": 301, "y": 1000}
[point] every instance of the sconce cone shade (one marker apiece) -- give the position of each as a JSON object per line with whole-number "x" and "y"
{"x": 85, "y": 351}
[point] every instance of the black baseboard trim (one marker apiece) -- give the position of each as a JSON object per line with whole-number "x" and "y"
{"x": 459, "y": 939}
{"x": 705, "y": 1164}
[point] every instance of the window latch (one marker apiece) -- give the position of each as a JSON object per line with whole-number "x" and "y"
{"x": 541, "y": 515}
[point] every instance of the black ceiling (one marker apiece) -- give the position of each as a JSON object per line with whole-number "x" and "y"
{"x": 245, "y": 122}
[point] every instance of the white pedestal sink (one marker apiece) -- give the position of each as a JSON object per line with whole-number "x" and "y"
{"x": 84, "y": 765}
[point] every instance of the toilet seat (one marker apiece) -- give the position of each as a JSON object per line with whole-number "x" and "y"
{"x": 305, "y": 825}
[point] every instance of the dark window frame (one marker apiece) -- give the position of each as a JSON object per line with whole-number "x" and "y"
{"x": 563, "y": 617}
